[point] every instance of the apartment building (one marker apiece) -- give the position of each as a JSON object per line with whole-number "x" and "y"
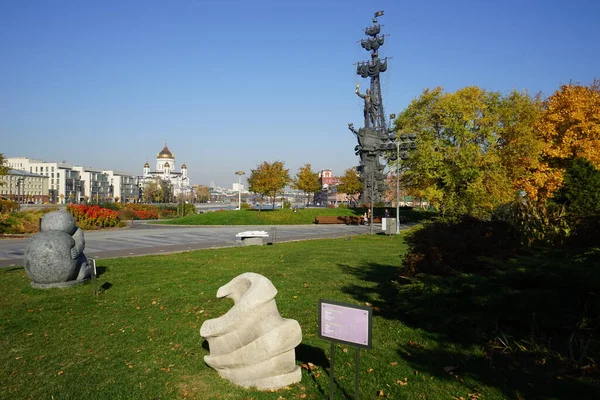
{"x": 24, "y": 187}
{"x": 68, "y": 183}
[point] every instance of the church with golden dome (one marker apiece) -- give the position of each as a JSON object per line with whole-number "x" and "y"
{"x": 166, "y": 171}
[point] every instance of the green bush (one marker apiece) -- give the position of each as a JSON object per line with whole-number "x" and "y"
{"x": 109, "y": 205}
{"x": 535, "y": 224}
{"x": 580, "y": 192}
{"x": 448, "y": 245}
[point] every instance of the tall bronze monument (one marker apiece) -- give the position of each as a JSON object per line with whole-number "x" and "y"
{"x": 373, "y": 137}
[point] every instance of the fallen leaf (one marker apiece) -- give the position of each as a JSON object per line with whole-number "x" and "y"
{"x": 59, "y": 373}
{"x": 402, "y": 383}
{"x": 303, "y": 396}
{"x": 368, "y": 304}
{"x": 394, "y": 363}
{"x": 380, "y": 393}
{"x": 370, "y": 370}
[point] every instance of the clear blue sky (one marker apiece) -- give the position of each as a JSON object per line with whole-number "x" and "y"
{"x": 230, "y": 84}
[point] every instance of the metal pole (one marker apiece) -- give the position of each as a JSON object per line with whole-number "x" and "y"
{"x": 331, "y": 386}
{"x": 371, "y": 205}
{"x": 357, "y": 373}
{"x": 397, "y": 186}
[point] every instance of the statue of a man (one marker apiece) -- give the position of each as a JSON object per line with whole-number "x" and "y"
{"x": 371, "y": 105}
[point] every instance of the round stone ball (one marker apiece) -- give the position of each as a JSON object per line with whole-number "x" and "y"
{"x": 48, "y": 258}
{"x": 58, "y": 221}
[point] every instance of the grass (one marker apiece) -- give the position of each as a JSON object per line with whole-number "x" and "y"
{"x": 282, "y": 217}
{"x": 139, "y": 338}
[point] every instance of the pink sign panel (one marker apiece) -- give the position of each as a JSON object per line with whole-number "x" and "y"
{"x": 345, "y": 323}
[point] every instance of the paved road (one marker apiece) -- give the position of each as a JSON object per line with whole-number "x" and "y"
{"x": 142, "y": 239}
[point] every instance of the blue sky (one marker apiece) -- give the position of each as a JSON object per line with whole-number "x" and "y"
{"x": 230, "y": 84}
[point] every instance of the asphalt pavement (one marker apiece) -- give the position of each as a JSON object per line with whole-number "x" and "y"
{"x": 143, "y": 239}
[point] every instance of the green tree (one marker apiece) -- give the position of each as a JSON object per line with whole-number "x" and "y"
{"x": 307, "y": 180}
{"x": 462, "y": 161}
{"x": 268, "y": 179}
{"x": 166, "y": 191}
{"x": 580, "y": 192}
{"x": 350, "y": 184}
{"x": 152, "y": 192}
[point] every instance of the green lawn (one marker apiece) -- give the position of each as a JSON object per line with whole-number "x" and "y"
{"x": 283, "y": 217}
{"x": 139, "y": 338}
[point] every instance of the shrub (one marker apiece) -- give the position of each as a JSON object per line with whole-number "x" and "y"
{"x": 444, "y": 246}
{"x": 110, "y": 205}
{"x": 535, "y": 224}
{"x": 246, "y": 206}
{"x": 93, "y": 217}
{"x": 127, "y": 214}
{"x": 7, "y": 206}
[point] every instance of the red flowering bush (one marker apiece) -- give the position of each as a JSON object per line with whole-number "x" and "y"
{"x": 93, "y": 217}
{"x": 142, "y": 211}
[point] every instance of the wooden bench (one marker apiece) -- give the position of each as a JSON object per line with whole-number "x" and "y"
{"x": 330, "y": 219}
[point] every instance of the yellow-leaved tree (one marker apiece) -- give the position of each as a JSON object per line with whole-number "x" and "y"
{"x": 268, "y": 179}
{"x": 569, "y": 127}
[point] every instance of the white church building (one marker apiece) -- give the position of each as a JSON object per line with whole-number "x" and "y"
{"x": 166, "y": 170}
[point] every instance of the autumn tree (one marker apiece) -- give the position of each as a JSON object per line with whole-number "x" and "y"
{"x": 3, "y": 167}
{"x": 268, "y": 179}
{"x": 202, "y": 193}
{"x": 350, "y": 184}
{"x": 307, "y": 180}
{"x": 569, "y": 127}
{"x": 462, "y": 161}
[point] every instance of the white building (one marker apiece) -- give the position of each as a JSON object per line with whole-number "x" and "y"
{"x": 166, "y": 171}
{"x": 76, "y": 184}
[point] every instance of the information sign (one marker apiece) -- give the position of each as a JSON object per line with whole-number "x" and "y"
{"x": 346, "y": 323}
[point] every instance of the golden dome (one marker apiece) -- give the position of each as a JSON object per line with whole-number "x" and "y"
{"x": 146, "y": 165}
{"x": 167, "y": 165}
{"x": 184, "y": 166}
{"x": 165, "y": 153}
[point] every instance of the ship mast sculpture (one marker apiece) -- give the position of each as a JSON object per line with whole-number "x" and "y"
{"x": 373, "y": 138}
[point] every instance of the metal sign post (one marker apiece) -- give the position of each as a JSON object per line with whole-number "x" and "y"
{"x": 345, "y": 323}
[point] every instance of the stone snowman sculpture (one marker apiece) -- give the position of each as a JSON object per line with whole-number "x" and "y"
{"x": 54, "y": 257}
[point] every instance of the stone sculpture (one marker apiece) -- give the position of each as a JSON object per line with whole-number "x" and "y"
{"x": 252, "y": 345}
{"x": 54, "y": 257}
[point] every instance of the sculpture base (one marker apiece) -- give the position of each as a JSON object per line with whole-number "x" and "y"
{"x": 57, "y": 284}
{"x": 275, "y": 382}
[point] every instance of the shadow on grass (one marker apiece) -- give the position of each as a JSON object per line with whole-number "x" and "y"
{"x": 516, "y": 378}
{"x": 536, "y": 317}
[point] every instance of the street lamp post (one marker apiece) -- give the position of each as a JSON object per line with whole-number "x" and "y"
{"x": 239, "y": 174}
{"x": 406, "y": 143}
{"x": 20, "y": 189}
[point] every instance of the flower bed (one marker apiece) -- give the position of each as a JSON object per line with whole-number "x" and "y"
{"x": 93, "y": 217}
